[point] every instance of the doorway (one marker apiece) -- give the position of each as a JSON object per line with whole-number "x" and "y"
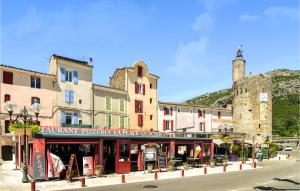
{"x": 7, "y": 151}
{"x": 109, "y": 156}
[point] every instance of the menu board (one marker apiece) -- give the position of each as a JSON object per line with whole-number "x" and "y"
{"x": 150, "y": 154}
{"x": 88, "y": 166}
{"x": 162, "y": 161}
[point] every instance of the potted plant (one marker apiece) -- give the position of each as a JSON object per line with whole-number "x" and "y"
{"x": 18, "y": 128}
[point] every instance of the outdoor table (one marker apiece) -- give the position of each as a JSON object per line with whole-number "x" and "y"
{"x": 195, "y": 162}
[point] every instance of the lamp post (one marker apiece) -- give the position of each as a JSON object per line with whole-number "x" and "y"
{"x": 26, "y": 118}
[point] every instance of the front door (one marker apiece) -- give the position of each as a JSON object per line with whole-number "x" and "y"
{"x": 123, "y": 163}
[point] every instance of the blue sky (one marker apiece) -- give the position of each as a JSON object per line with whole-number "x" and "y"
{"x": 189, "y": 44}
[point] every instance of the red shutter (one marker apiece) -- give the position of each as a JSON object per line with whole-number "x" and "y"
{"x": 136, "y": 88}
{"x": 8, "y": 77}
{"x": 141, "y": 102}
{"x": 219, "y": 115}
{"x": 6, "y": 97}
{"x": 172, "y": 125}
{"x": 142, "y": 120}
{"x": 171, "y": 111}
{"x": 204, "y": 126}
{"x": 164, "y": 125}
{"x": 144, "y": 89}
{"x": 204, "y": 114}
{"x": 198, "y": 113}
{"x": 165, "y": 112}
{"x": 136, "y": 106}
{"x": 140, "y": 71}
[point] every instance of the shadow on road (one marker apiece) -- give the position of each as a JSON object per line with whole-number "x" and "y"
{"x": 270, "y": 188}
{"x": 287, "y": 180}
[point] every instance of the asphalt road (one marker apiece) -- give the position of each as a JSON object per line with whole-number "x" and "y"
{"x": 275, "y": 175}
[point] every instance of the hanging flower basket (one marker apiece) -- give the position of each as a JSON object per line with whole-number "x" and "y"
{"x": 18, "y": 129}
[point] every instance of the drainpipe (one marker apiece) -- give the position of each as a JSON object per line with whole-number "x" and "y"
{"x": 93, "y": 106}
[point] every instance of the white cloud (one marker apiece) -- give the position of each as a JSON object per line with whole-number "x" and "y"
{"x": 275, "y": 13}
{"x": 248, "y": 17}
{"x": 203, "y": 22}
{"x": 188, "y": 57}
{"x": 282, "y": 12}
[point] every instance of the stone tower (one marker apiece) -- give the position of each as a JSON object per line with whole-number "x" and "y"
{"x": 252, "y": 102}
{"x": 238, "y": 66}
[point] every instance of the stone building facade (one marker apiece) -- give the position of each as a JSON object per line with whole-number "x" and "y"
{"x": 252, "y": 102}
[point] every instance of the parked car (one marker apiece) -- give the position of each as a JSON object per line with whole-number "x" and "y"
{"x": 288, "y": 148}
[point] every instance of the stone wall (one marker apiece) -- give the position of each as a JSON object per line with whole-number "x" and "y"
{"x": 118, "y": 80}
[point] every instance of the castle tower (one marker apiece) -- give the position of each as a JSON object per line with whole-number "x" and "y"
{"x": 238, "y": 66}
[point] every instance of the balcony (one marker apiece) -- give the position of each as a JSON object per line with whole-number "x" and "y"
{"x": 76, "y": 125}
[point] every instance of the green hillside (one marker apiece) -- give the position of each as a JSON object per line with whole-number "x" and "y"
{"x": 286, "y": 101}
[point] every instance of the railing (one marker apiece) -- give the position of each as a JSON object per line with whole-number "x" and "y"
{"x": 76, "y": 125}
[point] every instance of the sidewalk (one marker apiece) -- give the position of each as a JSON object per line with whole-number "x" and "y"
{"x": 10, "y": 180}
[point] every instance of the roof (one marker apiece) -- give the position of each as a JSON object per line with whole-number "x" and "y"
{"x": 107, "y": 87}
{"x": 82, "y": 62}
{"x": 190, "y": 105}
{"x": 16, "y": 68}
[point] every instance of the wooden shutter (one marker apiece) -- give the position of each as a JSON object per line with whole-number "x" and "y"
{"x": 198, "y": 113}
{"x": 62, "y": 74}
{"x": 172, "y": 125}
{"x": 6, "y": 97}
{"x": 204, "y": 126}
{"x": 144, "y": 89}
{"x": 171, "y": 111}
{"x": 75, "y": 77}
{"x": 8, "y": 77}
{"x": 141, "y": 102}
{"x": 136, "y": 106}
{"x": 204, "y": 114}
{"x": 219, "y": 115}
{"x": 136, "y": 87}
{"x": 164, "y": 125}
{"x": 165, "y": 111}
{"x": 140, "y": 71}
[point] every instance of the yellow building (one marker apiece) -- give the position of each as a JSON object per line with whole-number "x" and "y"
{"x": 141, "y": 86}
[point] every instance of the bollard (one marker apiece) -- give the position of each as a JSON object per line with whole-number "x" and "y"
{"x": 224, "y": 168}
{"x": 205, "y": 170}
{"x": 254, "y": 164}
{"x": 155, "y": 175}
{"x": 182, "y": 172}
{"x": 82, "y": 180}
{"x": 123, "y": 178}
{"x": 241, "y": 166}
{"x": 32, "y": 185}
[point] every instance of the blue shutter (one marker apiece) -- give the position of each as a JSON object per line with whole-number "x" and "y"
{"x": 62, "y": 74}
{"x": 75, "y": 119}
{"x": 75, "y": 77}
{"x": 71, "y": 96}
{"x": 67, "y": 96}
{"x": 62, "y": 117}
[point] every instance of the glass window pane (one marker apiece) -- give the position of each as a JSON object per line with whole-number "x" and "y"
{"x": 124, "y": 152}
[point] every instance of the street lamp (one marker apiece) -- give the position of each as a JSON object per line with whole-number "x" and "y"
{"x": 26, "y": 118}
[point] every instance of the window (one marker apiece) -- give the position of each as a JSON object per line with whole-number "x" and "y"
{"x": 68, "y": 76}
{"x": 167, "y": 125}
{"x": 140, "y": 120}
{"x": 80, "y": 121}
{"x": 35, "y": 100}
{"x": 201, "y": 126}
{"x": 150, "y": 86}
{"x": 122, "y": 105}
{"x": 140, "y": 88}
{"x": 108, "y": 104}
{"x": 108, "y": 120}
{"x": 6, "y": 123}
{"x": 178, "y": 110}
{"x": 191, "y": 110}
{"x": 199, "y": 113}
{"x": 122, "y": 122}
{"x": 69, "y": 118}
{"x": 69, "y": 96}
{"x": 8, "y": 77}
{"x": 6, "y": 97}
{"x": 219, "y": 115}
{"x": 166, "y": 111}
{"x": 80, "y": 101}
{"x": 35, "y": 82}
{"x": 140, "y": 71}
{"x": 150, "y": 100}
{"x": 151, "y": 117}
{"x": 138, "y": 106}
{"x": 124, "y": 152}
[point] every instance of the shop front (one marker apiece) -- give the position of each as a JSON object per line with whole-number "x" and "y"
{"x": 58, "y": 151}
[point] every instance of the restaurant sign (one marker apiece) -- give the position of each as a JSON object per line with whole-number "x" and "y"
{"x": 47, "y": 130}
